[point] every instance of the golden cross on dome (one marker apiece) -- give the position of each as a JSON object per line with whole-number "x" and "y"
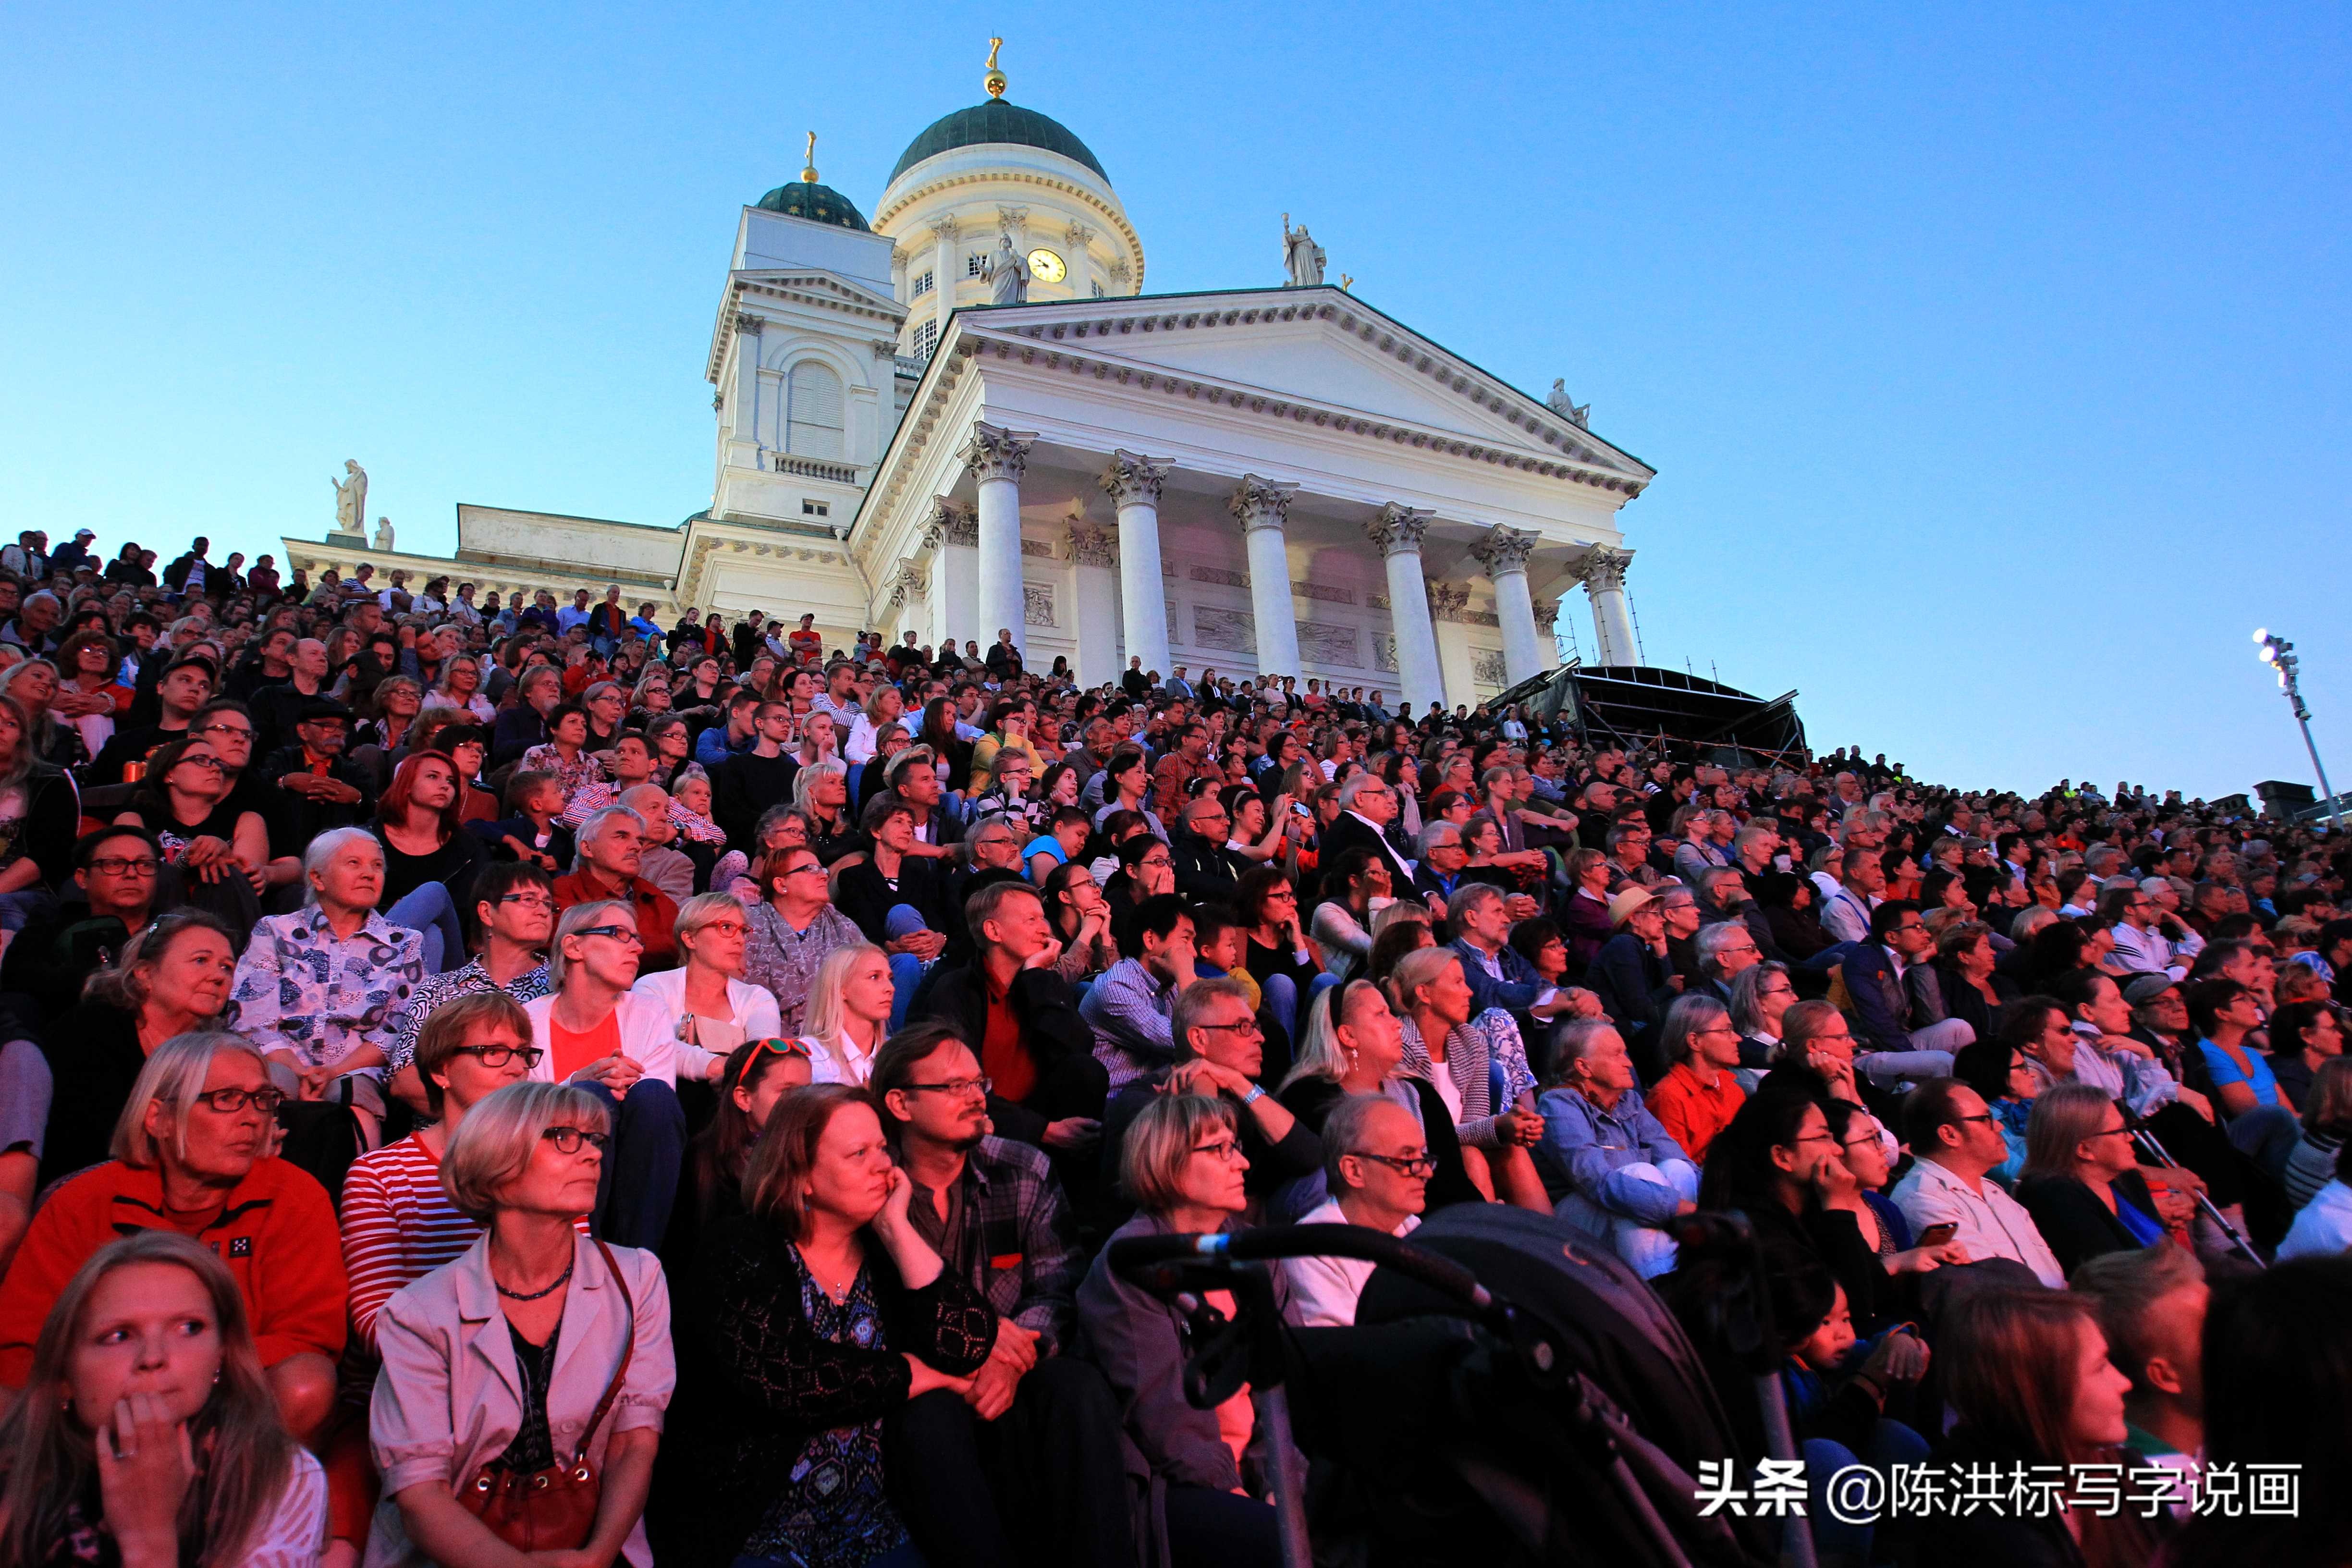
{"x": 808, "y": 170}
{"x": 994, "y": 79}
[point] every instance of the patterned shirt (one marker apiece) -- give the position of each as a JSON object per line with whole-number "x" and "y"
{"x": 440, "y": 989}
{"x": 301, "y": 988}
{"x": 785, "y": 961}
{"x": 583, "y": 769}
{"x": 1008, "y": 1236}
{"x": 593, "y": 798}
{"x": 1472, "y": 1052}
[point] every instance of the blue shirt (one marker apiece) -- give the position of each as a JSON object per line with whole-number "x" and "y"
{"x": 2225, "y": 1072}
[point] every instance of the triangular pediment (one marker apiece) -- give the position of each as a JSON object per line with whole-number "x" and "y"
{"x": 1318, "y": 346}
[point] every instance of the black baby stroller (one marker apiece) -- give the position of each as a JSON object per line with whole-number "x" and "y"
{"x": 1510, "y": 1395}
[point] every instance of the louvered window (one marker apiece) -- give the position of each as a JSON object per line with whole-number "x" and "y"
{"x": 813, "y": 411}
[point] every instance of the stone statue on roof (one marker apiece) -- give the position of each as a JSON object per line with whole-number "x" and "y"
{"x": 1007, "y": 274}
{"x": 1301, "y": 256}
{"x": 351, "y": 498}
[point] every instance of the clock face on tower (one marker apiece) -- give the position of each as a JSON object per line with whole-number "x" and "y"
{"x": 1046, "y": 267}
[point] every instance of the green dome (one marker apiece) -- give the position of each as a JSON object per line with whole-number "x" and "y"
{"x": 818, "y": 204}
{"x": 998, "y": 123}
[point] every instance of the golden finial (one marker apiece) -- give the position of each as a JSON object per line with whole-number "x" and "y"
{"x": 808, "y": 170}
{"x": 994, "y": 79}
{"x": 1347, "y": 282}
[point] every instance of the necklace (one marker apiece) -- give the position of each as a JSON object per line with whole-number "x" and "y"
{"x": 835, "y": 1292}
{"x": 536, "y": 1295}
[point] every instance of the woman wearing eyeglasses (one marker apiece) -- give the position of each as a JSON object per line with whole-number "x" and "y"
{"x": 184, "y": 802}
{"x": 713, "y": 1007}
{"x": 191, "y": 1155}
{"x": 1181, "y": 1163}
{"x": 2082, "y": 1183}
{"x": 811, "y": 1318}
{"x": 539, "y": 1349}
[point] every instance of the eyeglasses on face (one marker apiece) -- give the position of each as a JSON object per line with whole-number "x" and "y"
{"x": 567, "y": 1140}
{"x": 1247, "y": 1026}
{"x": 499, "y": 1056}
{"x": 1224, "y": 1151}
{"x": 242, "y": 731}
{"x": 229, "y": 1102}
{"x": 961, "y": 1087}
{"x": 1403, "y": 1164}
{"x": 622, "y": 934}
{"x": 527, "y": 900}
{"x": 124, "y": 865}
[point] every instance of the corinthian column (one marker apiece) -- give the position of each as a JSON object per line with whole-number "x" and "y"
{"x": 946, "y": 271}
{"x": 955, "y": 606}
{"x": 1133, "y": 483}
{"x": 1603, "y": 571}
{"x": 1094, "y": 570}
{"x": 1263, "y": 509}
{"x": 1398, "y": 531}
{"x": 997, "y": 457}
{"x": 1504, "y": 552}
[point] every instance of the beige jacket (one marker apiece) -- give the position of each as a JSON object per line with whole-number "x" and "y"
{"x": 450, "y": 1400}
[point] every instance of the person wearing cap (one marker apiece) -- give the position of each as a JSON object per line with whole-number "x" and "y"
{"x": 1632, "y": 975}
{"x": 323, "y": 789}
{"x": 73, "y": 556}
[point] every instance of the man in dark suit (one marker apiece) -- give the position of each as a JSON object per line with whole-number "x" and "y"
{"x": 1367, "y": 806}
{"x": 1900, "y": 1027}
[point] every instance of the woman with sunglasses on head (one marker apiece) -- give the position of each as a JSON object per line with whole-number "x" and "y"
{"x": 1181, "y": 1163}
{"x": 811, "y": 1318}
{"x": 155, "y": 1441}
{"x": 539, "y": 1354}
{"x": 184, "y": 802}
{"x": 190, "y": 1153}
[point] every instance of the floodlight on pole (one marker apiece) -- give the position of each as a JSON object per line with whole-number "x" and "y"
{"x": 2279, "y": 654}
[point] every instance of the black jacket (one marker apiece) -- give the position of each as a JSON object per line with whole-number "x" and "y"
{"x": 1051, "y": 1030}
{"x": 2073, "y": 1220}
{"x": 1348, "y": 832}
{"x": 1203, "y": 870}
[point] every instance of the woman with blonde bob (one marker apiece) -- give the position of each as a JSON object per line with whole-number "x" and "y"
{"x": 848, "y": 1013}
{"x": 496, "y": 1366}
{"x": 713, "y": 1007}
{"x": 1182, "y": 1162}
{"x": 1455, "y": 1051}
{"x": 147, "y": 1396}
{"x": 820, "y": 1312}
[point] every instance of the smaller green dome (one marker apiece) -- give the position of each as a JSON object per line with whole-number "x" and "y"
{"x": 818, "y": 204}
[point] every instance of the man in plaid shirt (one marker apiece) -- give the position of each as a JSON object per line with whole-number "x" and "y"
{"x": 1041, "y": 1422}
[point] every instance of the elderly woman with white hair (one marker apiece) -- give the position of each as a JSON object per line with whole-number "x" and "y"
{"x": 523, "y": 1388}
{"x": 322, "y": 992}
{"x": 594, "y": 1032}
{"x": 191, "y": 1155}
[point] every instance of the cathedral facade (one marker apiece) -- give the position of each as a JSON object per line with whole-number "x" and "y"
{"x": 968, "y": 412}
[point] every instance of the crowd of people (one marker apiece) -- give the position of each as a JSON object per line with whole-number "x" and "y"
{"x": 484, "y": 1083}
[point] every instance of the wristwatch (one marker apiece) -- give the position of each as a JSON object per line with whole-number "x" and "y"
{"x": 1257, "y": 1093}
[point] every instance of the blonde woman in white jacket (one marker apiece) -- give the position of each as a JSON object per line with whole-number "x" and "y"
{"x": 710, "y": 1005}
{"x": 623, "y": 1048}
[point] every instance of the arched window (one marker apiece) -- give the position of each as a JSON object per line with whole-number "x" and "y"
{"x": 813, "y": 411}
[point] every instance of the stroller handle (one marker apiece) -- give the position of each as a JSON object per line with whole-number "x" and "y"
{"x": 1134, "y": 1253}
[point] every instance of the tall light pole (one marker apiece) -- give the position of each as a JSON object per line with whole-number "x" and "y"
{"x": 2279, "y": 654}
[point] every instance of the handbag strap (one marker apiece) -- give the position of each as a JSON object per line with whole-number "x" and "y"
{"x": 628, "y": 1348}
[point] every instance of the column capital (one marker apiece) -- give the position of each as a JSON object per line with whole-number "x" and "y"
{"x": 1133, "y": 477}
{"x": 1261, "y": 503}
{"x": 1398, "y": 530}
{"x": 1077, "y": 235}
{"x": 1504, "y": 550}
{"x": 1602, "y": 568}
{"x": 1547, "y": 612}
{"x": 1449, "y": 601}
{"x": 952, "y": 523}
{"x": 750, "y": 323}
{"x": 944, "y": 225}
{"x": 1092, "y": 546}
{"x": 913, "y": 580}
{"x": 996, "y": 453}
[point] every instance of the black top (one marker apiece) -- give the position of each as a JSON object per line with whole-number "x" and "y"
{"x": 866, "y": 896}
{"x": 94, "y": 1061}
{"x": 2075, "y": 1223}
{"x": 743, "y": 786}
{"x": 155, "y": 815}
{"x": 770, "y": 1380}
{"x": 533, "y": 1449}
{"x": 453, "y": 865}
{"x": 1312, "y": 1098}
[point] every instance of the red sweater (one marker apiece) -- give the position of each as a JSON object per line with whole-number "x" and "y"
{"x": 276, "y": 1232}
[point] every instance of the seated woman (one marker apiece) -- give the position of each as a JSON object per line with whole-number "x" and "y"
{"x": 1354, "y": 1044}
{"x": 2027, "y": 1372}
{"x": 715, "y": 1009}
{"x": 1285, "y": 962}
{"x": 540, "y": 1350}
{"x": 848, "y": 1014}
{"x": 2262, "y": 1123}
{"x": 150, "y": 1359}
{"x": 2326, "y": 1122}
{"x": 217, "y": 846}
{"x": 1458, "y": 1055}
{"x": 1080, "y": 913}
{"x": 172, "y": 979}
{"x": 760, "y": 1074}
{"x": 811, "y": 1318}
{"x": 1856, "y": 1183}
{"x": 1761, "y": 995}
{"x": 188, "y": 1158}
{"x": 1356, "y": 887}
{"x": 1260, "y": 832}
{"x": 1181, "y": 1163}
{"x": 2082, "y": 1183}
{"x": 429, "y": 860}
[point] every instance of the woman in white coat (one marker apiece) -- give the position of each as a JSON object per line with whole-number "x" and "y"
{"x": 710, "y": 1005}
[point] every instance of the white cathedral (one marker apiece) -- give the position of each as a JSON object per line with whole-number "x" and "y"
{"x": 1264, "y": 478}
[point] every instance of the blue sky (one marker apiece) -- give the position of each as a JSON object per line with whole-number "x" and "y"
{"x": 1993, "y": 358}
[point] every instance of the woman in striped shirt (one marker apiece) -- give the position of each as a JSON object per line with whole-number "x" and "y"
{"x": 398, "y": 1224}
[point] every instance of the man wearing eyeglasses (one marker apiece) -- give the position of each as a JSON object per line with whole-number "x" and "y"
{"x": 116, "y": 870}
{"x": 1954, "y": 1141}
{"x": 1376, "y": 1168}
{"x": 1367, "y": 806}
{"x": 1041, "y": 1422}
{"x": 514, "y": 910}
{"x": 610, "y": 854}
{"x": 1900, "y": 1027}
